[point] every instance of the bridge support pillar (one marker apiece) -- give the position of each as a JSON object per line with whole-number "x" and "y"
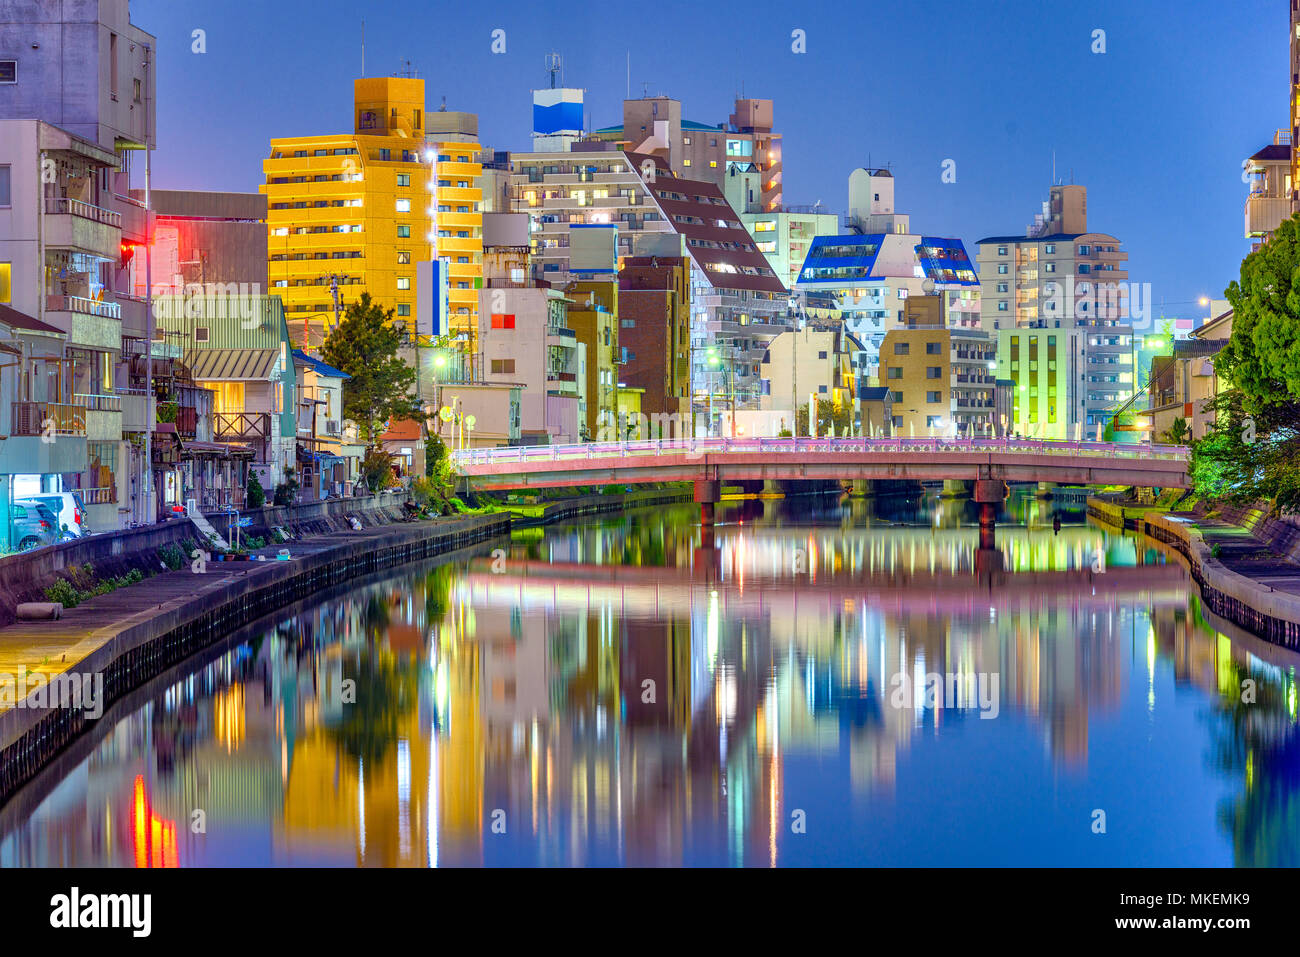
{"x": 862, "y": 488}
{"x": 707, "y": 495}
{"x": 955, "y": 488}
{"x": 989, "y": 494}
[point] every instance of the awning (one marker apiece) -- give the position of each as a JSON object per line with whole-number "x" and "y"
{"x": 231, "y": 365}
{"x": 20, "y": 320}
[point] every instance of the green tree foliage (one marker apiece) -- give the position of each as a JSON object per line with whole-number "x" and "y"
{"x": 255, "y": 495}
{"x": 838, "y": 419}
{"x": 364, "y": 345}
{"x": 1252, "y": 452}
{"x": 1177, "y": 433}
{"x": 376, "y": 469}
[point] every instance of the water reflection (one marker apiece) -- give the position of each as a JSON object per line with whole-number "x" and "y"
{"x": 627, "y": 691}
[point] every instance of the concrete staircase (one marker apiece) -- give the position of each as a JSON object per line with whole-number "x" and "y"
{"x": 209, "y": 534}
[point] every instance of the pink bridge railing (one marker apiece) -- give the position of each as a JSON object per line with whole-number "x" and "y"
{"x": 468, "y": 458}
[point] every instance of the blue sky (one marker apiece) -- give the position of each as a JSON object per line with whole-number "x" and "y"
{"x": 1156, "y": 127}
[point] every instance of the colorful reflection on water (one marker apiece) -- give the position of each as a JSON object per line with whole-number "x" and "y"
{"x": 629, "y": 691}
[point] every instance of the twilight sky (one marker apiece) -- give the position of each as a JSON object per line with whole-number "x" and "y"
{"x": 1156, "y": 127}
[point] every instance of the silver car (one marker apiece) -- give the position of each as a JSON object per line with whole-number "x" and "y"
{"x": 68, "y": 509}
{"x": 32, "y": 525}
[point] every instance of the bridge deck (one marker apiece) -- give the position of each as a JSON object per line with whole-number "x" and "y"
{"x": 737, "y": 459}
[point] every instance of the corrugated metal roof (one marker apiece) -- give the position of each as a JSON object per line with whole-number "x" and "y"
{"x": 231, "y": 365}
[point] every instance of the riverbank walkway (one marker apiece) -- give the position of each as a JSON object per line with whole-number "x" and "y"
{"x": 53, "y": 647}
{"x": 1239, "y": 550}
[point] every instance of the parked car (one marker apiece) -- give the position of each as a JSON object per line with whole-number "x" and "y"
{"x": 33, "y": 525}
{"x": 68, "y": 508}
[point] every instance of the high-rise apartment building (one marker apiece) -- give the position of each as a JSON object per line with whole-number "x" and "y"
{"x": 356, "y": 212}
{"x": 653, "y": 126}
{"x": 783, "y": 234}
{"x": 871, "y": 279}
{"x": 737, "y": 300}
{"x": 587, "y": 187}
{"x": 1061, "y": 275}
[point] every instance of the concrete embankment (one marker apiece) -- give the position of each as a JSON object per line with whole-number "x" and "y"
{"x": 135, "y": 633}
{"x": 25, "y": 576}
{"x": 1245, "y": 576}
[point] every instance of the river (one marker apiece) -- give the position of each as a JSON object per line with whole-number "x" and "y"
{"x": 820, "y": 681}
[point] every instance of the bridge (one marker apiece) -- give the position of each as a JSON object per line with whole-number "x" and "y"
{"x": 710, "y": 462}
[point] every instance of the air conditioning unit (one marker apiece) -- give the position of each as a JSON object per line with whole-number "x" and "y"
{"x": 331, "y": 427}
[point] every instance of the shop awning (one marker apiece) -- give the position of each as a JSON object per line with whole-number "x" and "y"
{"x": 231, "y": 365}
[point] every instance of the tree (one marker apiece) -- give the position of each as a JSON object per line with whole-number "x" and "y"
{"x": 1177, "y": 432}
{"x": 377, "y": 470}
{"x": 364, "y": 345}
{"x": 1251, "y": 452}
{"x": 829, "y": 417}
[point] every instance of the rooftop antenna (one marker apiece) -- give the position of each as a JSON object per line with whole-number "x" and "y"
{"x": 1054, "y": 183}
{"x": 555, "y": 65}
{"x": 363, "y": 47}
{"x": 629, "y": 74}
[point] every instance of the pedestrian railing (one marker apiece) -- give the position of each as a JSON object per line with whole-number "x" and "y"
{"x": 789, "y": 446}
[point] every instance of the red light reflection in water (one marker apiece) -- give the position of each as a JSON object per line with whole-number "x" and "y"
{"x": 154, "y": 838}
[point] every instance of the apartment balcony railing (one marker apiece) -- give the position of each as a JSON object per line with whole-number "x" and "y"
{"x": 87, "y": 307}
{"x": 62, "y": 206}
{"x": 99, "y": 402}
{"x": 48, "y": 418}
{"x": 99, "y": 496}
{"x": 235, "y": 426}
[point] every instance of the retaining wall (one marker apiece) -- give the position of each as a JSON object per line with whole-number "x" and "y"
{"x": 26, "y": 575}
{"x": 155, "y": 640}
{"x": 1270, "y": 614}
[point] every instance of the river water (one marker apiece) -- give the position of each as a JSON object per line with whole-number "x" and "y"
{"x": 825, "y": 681}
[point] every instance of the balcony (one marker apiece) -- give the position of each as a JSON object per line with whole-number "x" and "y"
{"x": 99, "y": 496}
{"x": 1265, "y": 213}
{"x": 72, "y": 224}
{"x": 83, "y": 306}
{"x": 135, "y": 409}
{"x": 87, "y": 322}
{"x": 241, "y": 426}
{"x": 48, "y": 418}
